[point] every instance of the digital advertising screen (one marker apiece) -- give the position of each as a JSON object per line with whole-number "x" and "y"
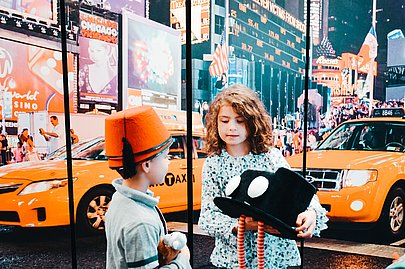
{"x": 151, "y": 62}
{"x": 44, "y": 10}
{"x": 98, "y": 63}
{"x": 32, "y": 77}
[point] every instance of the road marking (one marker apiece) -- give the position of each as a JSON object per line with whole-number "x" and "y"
{"x": 374, "y": 250}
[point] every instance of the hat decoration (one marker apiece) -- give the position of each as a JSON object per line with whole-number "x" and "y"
{"x": 273, "y": 199}
{"x": 133, "y": 136}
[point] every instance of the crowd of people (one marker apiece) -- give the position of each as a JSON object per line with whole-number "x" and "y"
{"x": 290, "y": 140}
{"x": 25, "y": 149}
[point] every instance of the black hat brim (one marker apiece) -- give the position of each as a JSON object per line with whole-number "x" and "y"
{"x": 235, "y": 209}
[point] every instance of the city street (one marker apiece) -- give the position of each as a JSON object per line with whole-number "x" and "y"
{"x": 50, "y": 248}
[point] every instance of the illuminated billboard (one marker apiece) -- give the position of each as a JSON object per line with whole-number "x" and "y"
{"x": 200, "y": 19}
{"x": 151, "y": 63}
{"x": 33, "y": 76}
{"x": 44, "y": 10}
{"x": 280, "y": 40}
{"x": 98, "y": 63}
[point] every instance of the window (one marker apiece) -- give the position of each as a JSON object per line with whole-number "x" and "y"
{"x": 220, "y": 3}
{"x": 176, "y": 150}
{"x": 219, "y": 24}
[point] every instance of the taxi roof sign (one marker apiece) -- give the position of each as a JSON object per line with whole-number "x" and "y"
{"x": 388, "y": 112}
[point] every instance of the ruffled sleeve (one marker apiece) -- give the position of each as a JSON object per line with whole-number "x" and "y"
{"x": 321, "y": 217}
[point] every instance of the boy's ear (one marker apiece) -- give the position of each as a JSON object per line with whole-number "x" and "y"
{"x": 145, "y": 166}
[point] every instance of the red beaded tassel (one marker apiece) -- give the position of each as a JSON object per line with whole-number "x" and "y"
{"x": 260, "y": 245}
{"x": 241, "y": 242}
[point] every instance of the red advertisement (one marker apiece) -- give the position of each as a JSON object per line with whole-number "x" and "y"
{"x": 33, "y": 75}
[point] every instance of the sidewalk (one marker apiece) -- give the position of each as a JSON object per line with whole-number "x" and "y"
{"x": 373, "y": 250}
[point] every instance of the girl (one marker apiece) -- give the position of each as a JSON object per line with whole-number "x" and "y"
{"x": 239, "y": 137}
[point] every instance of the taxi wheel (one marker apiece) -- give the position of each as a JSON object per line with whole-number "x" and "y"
{"x": 392, "y": 221}
{"x": 92, "y": 209}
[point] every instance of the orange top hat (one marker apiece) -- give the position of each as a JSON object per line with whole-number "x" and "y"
{"x": 138, "y": 130}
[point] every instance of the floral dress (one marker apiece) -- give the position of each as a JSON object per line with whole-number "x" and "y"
{"x": 217, "y": 171}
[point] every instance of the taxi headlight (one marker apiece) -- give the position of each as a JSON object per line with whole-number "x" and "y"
{"x": 44, "y": 186}
{"x": 357, "y": 178}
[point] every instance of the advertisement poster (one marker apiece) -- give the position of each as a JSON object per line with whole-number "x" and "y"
{"x": 152, "y": 61}
{"x": 135, "y": 6}
{"x": 200, "y": 16}
{"x": 98, "y": 62}
{"x": 33, "y": 76}
{"x": 39, "y": 9}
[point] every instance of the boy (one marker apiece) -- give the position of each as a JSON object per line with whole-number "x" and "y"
{"x": 137, "y": 145}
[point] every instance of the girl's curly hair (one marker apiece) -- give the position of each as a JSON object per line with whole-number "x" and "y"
{"x": 246, "y": 103}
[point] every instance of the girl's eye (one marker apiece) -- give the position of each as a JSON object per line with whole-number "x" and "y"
{"x": 224, "y": 121}
{"x": 240, "y": 121}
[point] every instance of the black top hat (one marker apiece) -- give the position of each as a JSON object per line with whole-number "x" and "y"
{"x": 273, "y": 198}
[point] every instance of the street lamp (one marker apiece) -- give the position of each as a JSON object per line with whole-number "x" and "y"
{"x": 9, "y": 82}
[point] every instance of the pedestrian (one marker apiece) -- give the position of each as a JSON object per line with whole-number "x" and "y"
{"x": 137, "y": 145}
{"x": 239, "y": 137}
{"x": 4, "y": 146}
{"x": 55, "y": 137}
{"x": 31, "y": 153}
{"x": 74, "y": 137}
{"x": 19, "y": 153}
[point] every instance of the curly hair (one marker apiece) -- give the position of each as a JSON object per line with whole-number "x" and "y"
{"x": 246, "y": 103}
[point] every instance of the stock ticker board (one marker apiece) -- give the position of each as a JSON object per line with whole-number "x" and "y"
{"x": 268, "y": 33}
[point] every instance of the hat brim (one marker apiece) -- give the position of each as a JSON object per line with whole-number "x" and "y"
{"x": 235, "y": 209}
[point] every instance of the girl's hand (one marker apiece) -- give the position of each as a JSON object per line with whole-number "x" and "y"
{"x": 251, "y": 224}
{"x": 306, "y": 222}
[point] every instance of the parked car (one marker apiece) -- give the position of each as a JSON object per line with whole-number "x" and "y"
{"x": 359, "y": 172}
{"x": 35, "y": 194}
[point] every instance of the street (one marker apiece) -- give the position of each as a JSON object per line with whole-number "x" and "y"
{"x": 50, "y": 248}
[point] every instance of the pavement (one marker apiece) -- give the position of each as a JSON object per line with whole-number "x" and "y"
{"x": 319, "y": 253}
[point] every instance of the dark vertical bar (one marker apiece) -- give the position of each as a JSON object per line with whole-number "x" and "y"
{"x": 67, "y": 132}
{"x": 189, "y": 106}
{"x": 120, "y": 53}
{"x": 307, "y": 59}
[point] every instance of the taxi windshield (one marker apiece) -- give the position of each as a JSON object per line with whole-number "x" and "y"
{"x": 370, "y": 136}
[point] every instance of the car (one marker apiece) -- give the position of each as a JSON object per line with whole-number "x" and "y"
{"x": 359, "y": 172}
{"x": 35, "y": 194}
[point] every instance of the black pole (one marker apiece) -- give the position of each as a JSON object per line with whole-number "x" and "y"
{"x": 67, "y": 132}
{"x": 307, "y": 59}
{"x": 189, "y": 107}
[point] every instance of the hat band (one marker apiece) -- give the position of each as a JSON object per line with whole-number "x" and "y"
{"x": 167, "y": 141}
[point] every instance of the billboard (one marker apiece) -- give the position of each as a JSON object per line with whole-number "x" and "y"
{"x": 396, "y": 52}
{"x": 200, "y": 19}
{"x": 98, "y": 63}
{"x": 44, "y": 10}
{"x": 151, "y": 62}
{"x": 33, "y": 76}
{"x": 134, "y": 6}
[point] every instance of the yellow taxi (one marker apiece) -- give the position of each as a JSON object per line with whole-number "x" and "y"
{"x": 35, "y": 194}
{"x": 359, "y": 170}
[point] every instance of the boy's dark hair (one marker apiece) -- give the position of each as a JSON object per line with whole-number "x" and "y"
{"x": 25, "y": 129}
{"x": 53, "y": 117}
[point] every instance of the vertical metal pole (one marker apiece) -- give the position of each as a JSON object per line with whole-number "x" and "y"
{"x": 371, "y": 64}
{"x": 307, "y": 63}
{"x": 67, "y": 132}
{"x": 189, "y": 106}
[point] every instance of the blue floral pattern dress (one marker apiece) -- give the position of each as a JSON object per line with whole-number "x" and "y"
{"x": 217, "y": 171}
